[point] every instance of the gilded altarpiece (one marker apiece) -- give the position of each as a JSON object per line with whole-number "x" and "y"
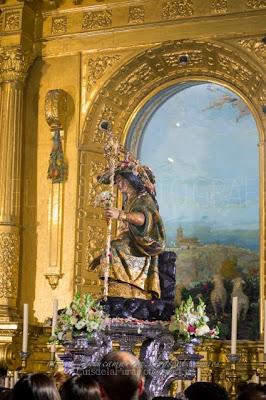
{"x": 130, "y": 87}
{"x": 128, "y": 52}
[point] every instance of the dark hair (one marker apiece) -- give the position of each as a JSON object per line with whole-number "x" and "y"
{"x": 120, "y": 375}
{"x": 35, "y": 387}
{"x": 252, "y": 391}
{"x": 206, "y": 391}
{"x": 6, "y": 394}
{"x": 163, "y": 398}
{"x": 82, "y": 387}
{"x": 137, "y": 184}
{"x": 144, "y": 396}
{"x": 59, "y": 378}
{"x": 134, "y": 180}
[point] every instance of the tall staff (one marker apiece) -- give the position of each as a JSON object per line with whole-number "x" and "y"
{"x": 111, "y": 156}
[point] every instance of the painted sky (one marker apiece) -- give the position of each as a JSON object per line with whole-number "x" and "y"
{"x": 202, "y": 146}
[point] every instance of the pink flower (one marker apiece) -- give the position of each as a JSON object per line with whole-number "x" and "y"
{"x": 191, "y": 329}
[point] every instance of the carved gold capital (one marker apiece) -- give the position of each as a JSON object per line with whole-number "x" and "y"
{"x": 14, "y": 63}
{"x": 55, "y": 108}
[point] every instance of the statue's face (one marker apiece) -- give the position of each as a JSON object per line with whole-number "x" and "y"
{"x": 122, "y": 184}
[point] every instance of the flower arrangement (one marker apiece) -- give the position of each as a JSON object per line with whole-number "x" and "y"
{"x": 190, "y": 321}
{"x": 104, "y": 199}
{"x": 83, "y": 315}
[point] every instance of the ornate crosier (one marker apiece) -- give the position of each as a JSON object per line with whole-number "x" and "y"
{"x": 111, "y": 150}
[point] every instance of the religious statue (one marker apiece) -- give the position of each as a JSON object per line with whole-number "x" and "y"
{"x": 133, "y": 267}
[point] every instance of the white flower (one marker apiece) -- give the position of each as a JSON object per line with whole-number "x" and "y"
{"x": 68, "y": 311}
{"x": 103, "y": 199}
{"x": 202, "y": 330}
{"x": 73, "y": 320}
{"x": 192, "y": 319}
{"x": 60, "y": 335}
{"x": 93, "y": 325}
{"x": 80, "y": 324}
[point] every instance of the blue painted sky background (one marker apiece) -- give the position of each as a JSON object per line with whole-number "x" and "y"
{"x": 202, "y": 146}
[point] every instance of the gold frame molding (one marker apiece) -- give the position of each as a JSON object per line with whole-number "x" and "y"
{"x": 123, "y": 94}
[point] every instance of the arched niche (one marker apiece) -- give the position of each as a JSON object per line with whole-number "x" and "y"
{"x": 200, "y": 139}
{"x": 125, "y": 93}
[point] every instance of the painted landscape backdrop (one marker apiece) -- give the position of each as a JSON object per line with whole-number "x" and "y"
{"x": 202, "y": 146}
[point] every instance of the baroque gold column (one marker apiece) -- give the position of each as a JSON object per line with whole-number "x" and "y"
{"x": 13, "y": 67}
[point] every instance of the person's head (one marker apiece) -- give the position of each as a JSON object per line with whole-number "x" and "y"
{"x": 126, "y": 180}
{"x": 35, "y": 387}
{"x": 206, "y": 391}
{"x": 83, "y": 387}
{"x": 252, "y": 391}
{"x": 120, "y": 376}
{"x": 59, "y": 378}
{"x": 6, "y": 394}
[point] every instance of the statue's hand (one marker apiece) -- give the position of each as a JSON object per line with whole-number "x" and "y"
{"x": 112, "y": 212}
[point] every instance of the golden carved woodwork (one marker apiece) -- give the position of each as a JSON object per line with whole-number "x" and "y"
{"x": 108, "y": 113}
{"x": 262, "y": 96}
{"x": 56, "y": 108}
{"x": 12, "y": 21}
{"x": 130, "y": 84}
{"x": 96, "y": 67}
{"x": 55, "y": 227}
{"x": 155, "y": 67}
{"x": 59, "y": 25}
{"x": 91, "y": 227}
{"x": 8, "y": 356}
{"x": 10, "y": 143}
{"x": 125, "y": 52}
{"x": 220, "y": 6}
{"x": 14, "y": 63}
{"x": 55, "y": 114}
{"x": 97, "y": 20}
{"x": 255, "y": 47}
{"x": 120, "y": 14}
{"x": 95, "y": 169}
{"x": 175, "y": 8}
{"x": 9, "y": 257}
{"x": 136, "y": 15}
{"x": 256, "y": 4}
{"x": 95, "y": 241}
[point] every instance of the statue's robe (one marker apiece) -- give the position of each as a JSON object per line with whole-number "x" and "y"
{"x": 133, "y": 270}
